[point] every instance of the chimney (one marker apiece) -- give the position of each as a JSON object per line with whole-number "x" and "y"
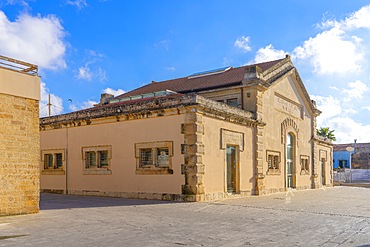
{"x": 252, "y": 72}
{"x": 105, "y": 97}
{"x": 354, "y": 151}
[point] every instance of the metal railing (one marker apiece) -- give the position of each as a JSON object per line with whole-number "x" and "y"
{"x": 17, "y": 65}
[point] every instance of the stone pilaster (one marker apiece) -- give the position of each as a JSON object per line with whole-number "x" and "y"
{"x": 193, "y": 150}
{"x": 259, "y": 174}
{"x": 315, "y": 158}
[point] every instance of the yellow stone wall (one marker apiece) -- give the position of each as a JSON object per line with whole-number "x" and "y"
{"x": 19, "y": 144}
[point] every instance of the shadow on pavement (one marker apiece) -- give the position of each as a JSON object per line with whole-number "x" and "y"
{"x": 59, "y": 201}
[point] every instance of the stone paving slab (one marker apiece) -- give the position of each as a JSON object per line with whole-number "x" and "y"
{"x": 338, "y": 216}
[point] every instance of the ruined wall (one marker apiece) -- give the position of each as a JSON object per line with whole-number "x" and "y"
{"x": 19, "y": 143}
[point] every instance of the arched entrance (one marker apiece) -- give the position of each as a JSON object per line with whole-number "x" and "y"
{"x": 289, "y": 167}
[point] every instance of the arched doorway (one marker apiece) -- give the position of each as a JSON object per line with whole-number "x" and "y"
{"x": 289, "y": 170}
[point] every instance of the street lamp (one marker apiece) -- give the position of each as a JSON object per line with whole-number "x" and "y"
{"x": 350, "y": 150}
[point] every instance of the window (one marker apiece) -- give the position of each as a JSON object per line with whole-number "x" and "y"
{"x": 305, "y": 164}
{"x": 52, "y": 161}
{"x": 146, "y": 157}
{"x": 342, "y": 163}
{"x": 154, "y": 157}
{"x": 48, "y": 161}
{"x": 96, "y": 160}
{"x": 232, "y": 102}
{"x": 273, "y": 162}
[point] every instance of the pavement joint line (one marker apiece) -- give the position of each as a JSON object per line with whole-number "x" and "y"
{"x": 292, "y": 210}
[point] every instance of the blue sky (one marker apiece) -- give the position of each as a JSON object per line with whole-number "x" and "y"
{"x": 84, "y": 47}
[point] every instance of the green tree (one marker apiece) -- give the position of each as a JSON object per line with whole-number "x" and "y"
{"x": 326, "y": 133}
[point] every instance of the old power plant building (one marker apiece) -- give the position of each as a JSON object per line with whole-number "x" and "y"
{"x": 19, "y": 137}
{"x": 223, "y": 133}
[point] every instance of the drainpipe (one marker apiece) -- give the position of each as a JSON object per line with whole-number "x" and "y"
{"x": 66, "y": 160}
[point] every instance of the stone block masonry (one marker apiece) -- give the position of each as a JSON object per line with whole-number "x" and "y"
{"x": 19, "y": 137}
{"x": 19, "y": 159}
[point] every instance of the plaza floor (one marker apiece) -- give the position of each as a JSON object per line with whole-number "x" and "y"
{"x": 338, "y": 216}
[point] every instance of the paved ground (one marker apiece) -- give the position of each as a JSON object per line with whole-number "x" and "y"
{"x": 337, "y": 216}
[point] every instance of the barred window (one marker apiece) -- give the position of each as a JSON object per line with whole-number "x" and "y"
{"x": 58, "y": 160}
{"x": 90, "y": 159}
{"x": 305, "y": 164}
{"x": 96, "y": 159}
{"x": 48, "y": 161}
{"x": 154, "y": 157}
{"x": 146, "y": 157}
{"x": 103, "y": 158}
{"x": 52, "y": 161}
{"x": 273, "y": 162}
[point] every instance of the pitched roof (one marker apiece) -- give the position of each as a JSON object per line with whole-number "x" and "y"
{"x": 229, "y": 77}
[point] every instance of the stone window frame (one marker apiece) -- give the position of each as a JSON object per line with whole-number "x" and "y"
{"x": 273, "y": 159}
{"x": 55, "y": 169}
{"x": 97, "y": 169}
{"x": 152, "y": 165}
{"x": 305, "y": 164}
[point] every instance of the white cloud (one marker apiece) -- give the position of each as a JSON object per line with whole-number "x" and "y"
{"x": 90, "y": 70}
{"x": 35, "y": 39}
{"x": 80, "y": 4}
{"x": 329, "y": 106}
{"x": 331, "y": 52}
{"x": 84, "y": 105}
{"x": 114, "y": 92}
{"x": 163, "y": 44}
{"x": 359, "y": 19}
{"x": 84, "y": 73}
{"x": 341, "y": 47}
{"x": 243, "y": 43}
{"x": 56, "y": 102}
{"x": 355, "y": 91}
{"x": 268, "y": 53}
{"x": 171, "y": 68}
{"x": 346, "y": 130}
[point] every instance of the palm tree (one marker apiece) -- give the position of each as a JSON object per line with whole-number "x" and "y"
{"x": 326, "y": 133}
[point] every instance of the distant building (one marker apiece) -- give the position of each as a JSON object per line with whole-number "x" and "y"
{"x": 341, "y": 157}
{"x": 358, "y": 159}
{"x": 222, "y": 133}
{"x": 19, "y": 137}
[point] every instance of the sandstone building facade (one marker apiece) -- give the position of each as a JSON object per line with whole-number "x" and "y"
{"x": 19, "y": 137}
{"x": 223, "y": 133}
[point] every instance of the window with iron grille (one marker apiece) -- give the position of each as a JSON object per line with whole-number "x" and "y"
{"x": 52, "y": 161}
{"x": 90, "y": 159}
{"x": 154, "y": 157}
{"x": 58, "y": 160}
{"x": 48, "y": 161}
{"x": 305, "y": 164}
{"x": 103, "y": 158}
{"x": 96, "y": 159}
{"x": 273, "y": 162}
{"x": 146, "y": 157}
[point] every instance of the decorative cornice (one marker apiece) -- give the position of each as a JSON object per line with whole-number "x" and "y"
{"x": 155, "y": 107}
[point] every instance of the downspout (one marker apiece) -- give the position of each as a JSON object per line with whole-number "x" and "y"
{"x": 66, "y": 160}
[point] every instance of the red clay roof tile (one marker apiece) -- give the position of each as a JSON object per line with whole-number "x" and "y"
{"x": 233, "y": 76}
